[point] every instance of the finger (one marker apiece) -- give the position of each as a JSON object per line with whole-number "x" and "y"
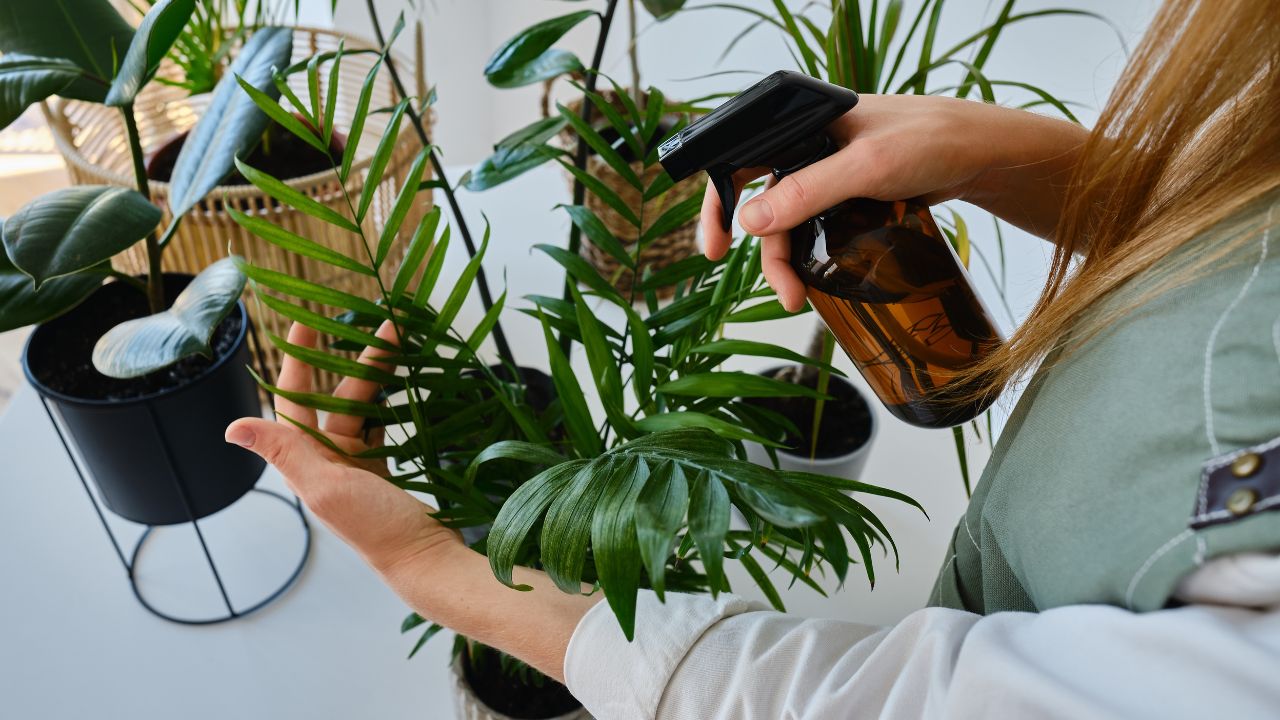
{"x": 359, "y": 389}
{"x": 299, "y": 458}
{"x": 807, "y": 192}
{"x": 716, "y": 240}
{"x": 296, "y": 376}
{"x": 775, "y": 261}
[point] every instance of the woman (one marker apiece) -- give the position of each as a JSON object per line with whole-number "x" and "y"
{"x": 1120, "y": 557}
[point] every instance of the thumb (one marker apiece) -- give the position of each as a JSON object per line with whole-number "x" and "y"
{"x": 799, "y": 196}
{"x": 297, "y": 457}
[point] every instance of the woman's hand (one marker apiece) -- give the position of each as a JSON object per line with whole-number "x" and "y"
{"x": 1012, "y": 163}
{"x": 424, "y": 562}
{"x": 386, "y": 525}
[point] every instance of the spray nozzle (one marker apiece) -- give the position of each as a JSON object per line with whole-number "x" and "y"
{"x": 777, "y": 123}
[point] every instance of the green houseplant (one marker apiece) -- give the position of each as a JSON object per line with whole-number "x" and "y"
{"x": 137, "y": 352}
{"x": 638, "y": 496}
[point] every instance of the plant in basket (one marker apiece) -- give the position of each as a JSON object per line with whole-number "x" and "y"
{"x": 869, "y": 47}
{"x": 639, "y": 494}
{"x": 125, "y": 363}
{"x": 629, "y": 195}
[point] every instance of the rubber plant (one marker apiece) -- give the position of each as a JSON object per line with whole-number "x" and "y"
{"x": 868, "y": 46}
{"x": 638, "y": 495}
{"x": 58, "y": 248}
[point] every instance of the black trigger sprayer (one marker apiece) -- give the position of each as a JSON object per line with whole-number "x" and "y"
{"x": 880, "y": 274}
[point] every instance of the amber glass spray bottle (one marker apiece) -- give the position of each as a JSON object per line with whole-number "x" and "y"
{"x": 880, "y": 274}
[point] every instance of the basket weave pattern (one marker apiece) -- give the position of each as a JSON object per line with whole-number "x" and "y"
{"x": 93, "y": 143}
{"x": 657, "y": 253}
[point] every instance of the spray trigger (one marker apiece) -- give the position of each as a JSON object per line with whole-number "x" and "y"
{"x": 722, "y": 178}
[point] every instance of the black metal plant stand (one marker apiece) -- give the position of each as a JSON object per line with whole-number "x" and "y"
{"x": 131, "y": 563}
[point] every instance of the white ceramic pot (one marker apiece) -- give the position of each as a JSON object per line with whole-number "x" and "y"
{"x": 846, "y": 466}
{"x": 469, "y": 707}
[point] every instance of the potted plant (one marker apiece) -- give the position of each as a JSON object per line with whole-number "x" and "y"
{"x": 127, "y": 364}
{"x": 630, "y": 195}
{"x": 862, "y": 46}
{"x": 92, "y": 141}
{"x": 640, "y": 496}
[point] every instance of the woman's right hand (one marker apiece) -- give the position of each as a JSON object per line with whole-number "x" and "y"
{"x": 1012, "y": 163}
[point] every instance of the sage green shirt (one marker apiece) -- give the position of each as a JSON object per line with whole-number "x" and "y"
{"x": 1089, "y": 493}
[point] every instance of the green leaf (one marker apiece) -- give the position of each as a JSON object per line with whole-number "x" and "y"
{"x": 461, "y": 288}
{"x": 27, "y": 79}
{"x": 432, "y": 273}
{"x": 404, "y": 202}
{"x": 768, "y": 310}
{"x": 596, "y": 231}
{"x": 580, "y": 269}
{"x": 331, "y": 96}
{"x": 528, "y": 57}
{"x": 659, "y": 512}
{"x": 708, "y": 524}
{"x": 382, "y": 156}
{"x": 761, "y": 578}
{"x": 567, "y": 526}
{"x": 602, "y": 192}
{"x": 681, "y": 419}
{"x": 516, "y": 154}
{"x": 297, "y": 244}
{"x": 734, "y": 384}
{"x": 427, "y": 634}
{"x": 323, "y": 324}
{"x": 677, "y": 216}
{"x": 521, "y": 512}
{"x": 89, "y": 33}
{"x": 424, "y": 238}
{"x": 68, "y": 230}
{"x": 577, "y": 417}
{"x": 525, "y": 452}
{"x": 140, "y": 346}
{"x": 343, "y": 366}
{"x": 285, "y": 119}
{"x": 231, "y": 124}
{"x": 21, "y": 304}
{"x": 604, "y": 368}
{"x": 614, "y": 545}
{"x": 160, "y": 27}
{"x": 487, "y": 323}
{"x": 602, "y": 148}
{"x": 662, "y": 9}
{"x": 294, "y": 198}
{"x": 357, "y": 119}
{"x": 313, "y": 292}
{"x": 761, "y": 349}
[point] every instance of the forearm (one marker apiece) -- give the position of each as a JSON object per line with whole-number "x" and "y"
{"x": 457, "y": 590}
{"x": 1028, "y": 160}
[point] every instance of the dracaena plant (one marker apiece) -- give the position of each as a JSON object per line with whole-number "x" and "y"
{"x": 639, "y": 495}
{"x": 867, "y": 46}
{"x": 59, "y": 247}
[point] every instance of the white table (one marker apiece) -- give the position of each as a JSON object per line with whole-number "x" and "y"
{"x": 74, "y": 642}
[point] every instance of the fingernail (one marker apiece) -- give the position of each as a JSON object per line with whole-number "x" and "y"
{"x": 240, "y": 435}
{"x": 756, "y": 215}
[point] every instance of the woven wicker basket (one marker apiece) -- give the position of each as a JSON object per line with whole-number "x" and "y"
{"x": 92, "y": 141}
{"x": 660, "y": 252}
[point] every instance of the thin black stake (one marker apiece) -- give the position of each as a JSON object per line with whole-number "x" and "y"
{"x": 499, "y": 337}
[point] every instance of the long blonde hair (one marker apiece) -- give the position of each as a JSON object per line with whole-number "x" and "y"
{"x": 1189, "y": 137}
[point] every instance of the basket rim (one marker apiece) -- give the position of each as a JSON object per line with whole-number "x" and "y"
{"x": 58, "y": 123}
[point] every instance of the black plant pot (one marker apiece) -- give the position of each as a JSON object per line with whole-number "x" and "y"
{"x": 153, "y": 454}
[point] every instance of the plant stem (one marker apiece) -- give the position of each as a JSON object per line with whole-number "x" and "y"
{"x": 155, "y": 277}
{"x": 580, "y": 157}
{"x": 486, "y": 298}
{"x": 633, "y": 53}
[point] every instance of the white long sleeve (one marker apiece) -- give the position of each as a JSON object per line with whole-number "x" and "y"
{"x": 704, "y": 659}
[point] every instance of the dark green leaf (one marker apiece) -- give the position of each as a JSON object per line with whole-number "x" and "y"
{"x": 580, "y": 269}
{"x": 89, "y": 33}
{"x": 567, "y": 526}
{"x": 602, "y": 148}
{"x": 613, "y": 539}
{"x": 231, "y": 124}
{"x": 758, "y": 574}
{"x": 68, "y": 230}
{"x": 677, "y": 216}
{"x": 27, "y": 79}
{"x": 285, "y": 119}
{"x": 577, "y": 417}
{"x": 21, "y": 304}
{"x": 295, "y": 199}
{"x": 659, "y": 512}
{"x": 520, "y": 60}
{"x": 427, "y": 634}
{"x": 708, "y": 524}
{"x": 423, "y": 240}
{"x": 680, "y": 419}
{"x": 602, "y": 192}
{"x": 404, "y": 202}
{"x": 598, "y": 233}
{"x": 526, "y": 452}
{"x": 155, "y": 35}
{"x": 761, "y": 349}
{"x": 297, "y": 244}
{"x": 734, "y": 384}
{"x": 662, "y": 9}
{"x": 140, "y": 346}
{"x": 314, "y": 292}
{"x": 381, "y": 157}
{"x": 358, "y": 118}
{"x": 604, "y": 368}
{"x": 322, "y": 360}
{"x": 768, "y": 310}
